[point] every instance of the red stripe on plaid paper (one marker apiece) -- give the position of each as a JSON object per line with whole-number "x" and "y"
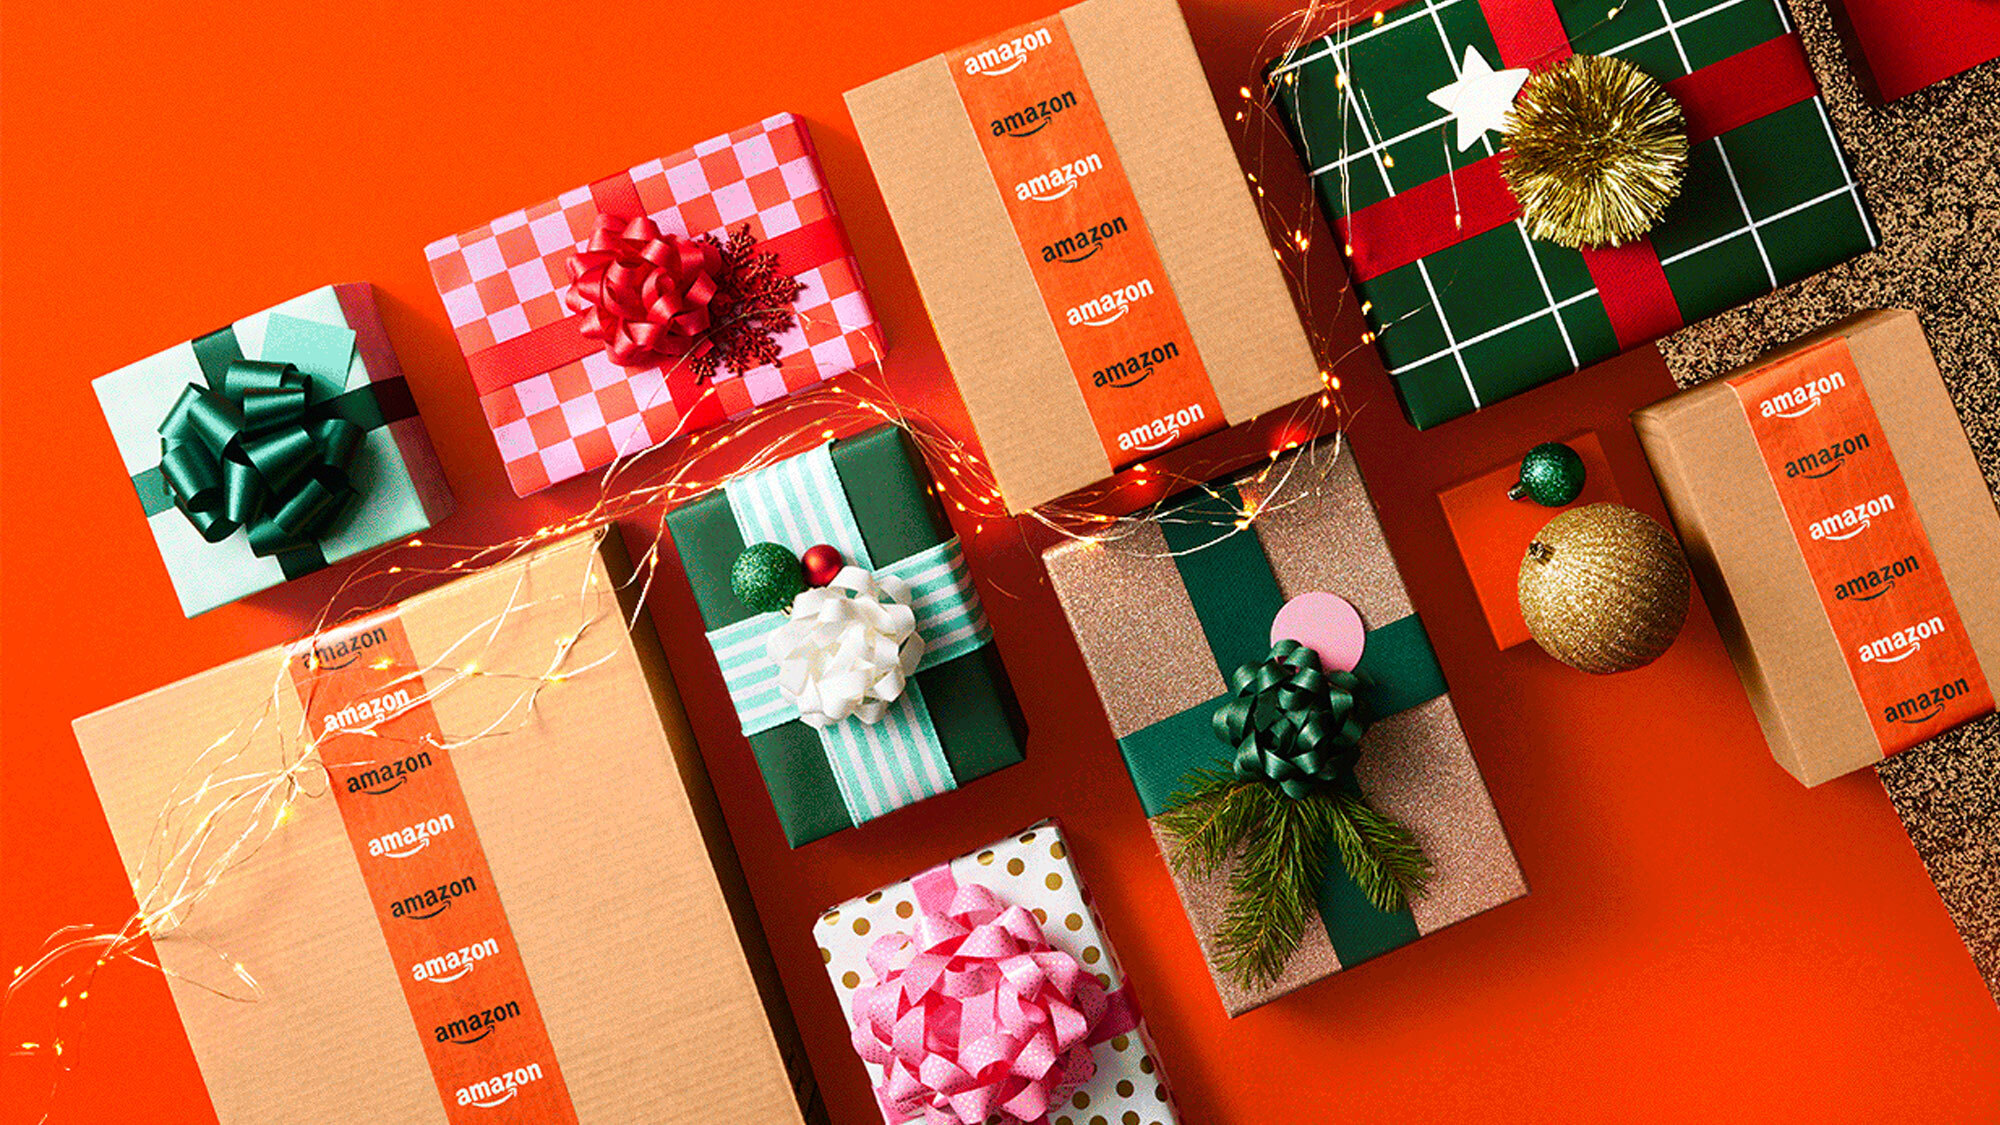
{"x": 546, "y": 348}
{"x": 1744, "y": 87}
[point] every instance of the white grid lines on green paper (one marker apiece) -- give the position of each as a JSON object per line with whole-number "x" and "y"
{"x": 1520, "y": 228}
{"x": 1342, "y": 60}
{"x": 1722, "y": 150}
{"x": 797, "y": 503}
{"x": 1839, "y": 154}
{"x": 1330, "y": 45}
{"x": 1787, "y": 213}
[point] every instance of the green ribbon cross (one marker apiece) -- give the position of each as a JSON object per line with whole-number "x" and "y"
{"x": 1236, "y": 596}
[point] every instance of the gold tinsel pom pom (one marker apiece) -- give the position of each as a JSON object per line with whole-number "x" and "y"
{"x": 1604, "y": 588}
{"x": 1599, "y": 149}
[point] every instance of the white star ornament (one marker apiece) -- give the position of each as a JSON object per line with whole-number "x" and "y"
{"x": 1481, "y": 99}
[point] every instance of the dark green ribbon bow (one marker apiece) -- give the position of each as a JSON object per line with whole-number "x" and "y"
{"x": 1290, "y": 721}
{"x": 257, "y": 453}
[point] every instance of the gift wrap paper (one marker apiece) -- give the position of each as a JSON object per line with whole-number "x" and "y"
{"x": 502, "y": 281}
{"x": 1151, "y": 660}
{"x": 1931, "y": 173}
{"x": 1764, "y": 204}
{"x": 1031, "y": 869}
{"x": 970, "y": 702}
{"x": 334, "y": 335}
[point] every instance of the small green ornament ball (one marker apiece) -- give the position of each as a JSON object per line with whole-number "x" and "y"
{"x": 767, "y": 577}
{"x": 1551, "y": 475}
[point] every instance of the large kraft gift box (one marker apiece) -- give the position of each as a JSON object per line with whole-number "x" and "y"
{"x": 559, "y": 930}
{"x": 868, "y": 498}
{"x": 1467, "y": 308}
{"x": 557, "y": 400}
{"x": 1166, "y": 614}
{"x": 275, "y": 445}
{"x": 1090, "y": 255}
{"x": 1844, "y": 537}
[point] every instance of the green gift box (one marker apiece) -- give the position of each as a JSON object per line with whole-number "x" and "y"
{"x": 1465, "y": 308}
{"x": 955, "y": 719}
{"x": 274, "y": 446}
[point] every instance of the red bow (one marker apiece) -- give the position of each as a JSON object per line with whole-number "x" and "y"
{"x": 643, "y": 294}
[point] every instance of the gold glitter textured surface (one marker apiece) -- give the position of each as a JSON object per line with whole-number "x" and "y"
{"x": 1604, "y": 589}
{"x": 1929, "y": 166}
{"x": 1139, "y": 635}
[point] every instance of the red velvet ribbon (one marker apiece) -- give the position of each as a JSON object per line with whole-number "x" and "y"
{"x": 977, "y": 1016}
{"x": 644, "y": 295}
{"x": 1446, "y": 211}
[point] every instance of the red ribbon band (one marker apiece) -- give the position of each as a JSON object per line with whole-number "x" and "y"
{"x": 560, "y": 342}
{"x": 1457, "y": 206}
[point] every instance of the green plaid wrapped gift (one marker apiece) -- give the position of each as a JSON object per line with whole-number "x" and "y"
{"x": 1466, "y": 308}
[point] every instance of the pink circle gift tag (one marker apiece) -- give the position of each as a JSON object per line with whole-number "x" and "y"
{"x": 1325, "y": 623}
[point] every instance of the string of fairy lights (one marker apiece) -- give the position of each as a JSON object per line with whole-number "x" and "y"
{"x": 225, "y": 807}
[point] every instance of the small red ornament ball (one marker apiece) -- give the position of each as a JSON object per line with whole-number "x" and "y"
{"x": 821, "y": 564}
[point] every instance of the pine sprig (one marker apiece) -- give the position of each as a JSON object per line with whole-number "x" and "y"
{"x": 1208, "y": 821}
{"x": 1276, "y": 848}
{"x": 1274, "y": 889}
{"x": 1381, "y": 854}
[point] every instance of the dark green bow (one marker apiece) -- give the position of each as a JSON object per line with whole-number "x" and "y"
{"x": 1290, "y": 721}
{"x": 257, "y": 453}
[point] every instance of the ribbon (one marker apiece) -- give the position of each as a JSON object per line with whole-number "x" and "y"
{"x": 560, "y": 342}
{"x": 1235, "y": 596}
{"x": 976, "y": 1014}
{"x": 848, "y": 648}
{"x": 644, "y": 295}
{"x": 253, "y": 452}
{"x": 1290, "y": 721}
{"x": 1460, "y": 205}
{"x": 896, "y": 758}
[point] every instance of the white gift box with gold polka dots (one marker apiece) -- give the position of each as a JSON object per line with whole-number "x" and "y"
{"x": 1031, "y": 869}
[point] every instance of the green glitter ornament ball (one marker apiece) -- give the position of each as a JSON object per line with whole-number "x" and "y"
{"x": 767, "y": 577}
{"x": 1551, "y": 475}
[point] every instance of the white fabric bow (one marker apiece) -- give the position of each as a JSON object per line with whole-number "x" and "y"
{"x": 848, "y": 649}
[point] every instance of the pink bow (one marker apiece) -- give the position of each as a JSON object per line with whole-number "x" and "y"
{"x": 645, "y": 295}
{"x": 977, "y": 1014}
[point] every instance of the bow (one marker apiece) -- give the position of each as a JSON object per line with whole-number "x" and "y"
{"x": 848, "y": 648}
{"x": 1290, "y": 721}
{"x": 976, "y": 1015}
{"x": 251, "y": 454}
{"x": 643, "y": 294}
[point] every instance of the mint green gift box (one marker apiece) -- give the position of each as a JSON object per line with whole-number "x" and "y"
{"x": 339, "y": 354}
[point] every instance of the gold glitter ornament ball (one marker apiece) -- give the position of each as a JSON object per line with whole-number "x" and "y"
{"x": 1604, "y": 589}
{"x": 1598, "y": 149}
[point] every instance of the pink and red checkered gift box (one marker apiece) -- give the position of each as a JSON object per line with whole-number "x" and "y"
{"x": 555, "y": 417}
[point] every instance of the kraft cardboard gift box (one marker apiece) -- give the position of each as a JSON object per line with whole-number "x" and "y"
{"x": 1895, "y": 530}
{"x": 1085, "y": 243}
{"x": 568, "y": 919}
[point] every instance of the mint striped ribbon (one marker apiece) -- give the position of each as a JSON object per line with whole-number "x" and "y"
{"x": 878, "y": 767}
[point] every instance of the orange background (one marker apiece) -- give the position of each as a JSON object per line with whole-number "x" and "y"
{"x": 1705, "y": 939}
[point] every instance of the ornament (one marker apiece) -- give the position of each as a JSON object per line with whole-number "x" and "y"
{"x": 766, "y": 577}
{"x": 848, "y": 648}
{"x": 1551, "y": 475}
{"x": 1604, "y": 589}
{"x": 1481, "y": 99}
{"x": 1598, "y": 151}
{"x": 821, "y": 563}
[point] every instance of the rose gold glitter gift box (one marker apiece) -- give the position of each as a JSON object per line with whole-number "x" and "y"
{"x": 1165, "y": 616}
